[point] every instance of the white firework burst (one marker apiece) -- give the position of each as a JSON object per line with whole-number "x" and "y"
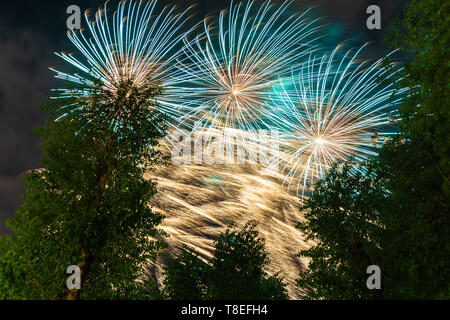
{"x": 334, "y": 109}
{"x": 139, "y": 44}
{"x": 231, "y": 73}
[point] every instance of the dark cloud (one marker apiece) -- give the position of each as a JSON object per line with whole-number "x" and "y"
{"x": 351, "y": 17}
{"x": 10, "y": 189}
{"x": 24, "y": 83}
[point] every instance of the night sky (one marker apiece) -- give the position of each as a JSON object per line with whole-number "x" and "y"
{"x": 31, "y": 30}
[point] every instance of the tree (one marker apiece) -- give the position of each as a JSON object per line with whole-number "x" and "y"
{"x": 416, "y": 163}
{"x": 235, "y": 271}
{"x": 186, "y": 277}
{"x": 89, "y": 207}
{"x": 397, "y": 214}
{"x": 343, "y": 215}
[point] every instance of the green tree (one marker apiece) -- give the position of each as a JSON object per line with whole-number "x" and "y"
{"x": 235, "y": 271}
{"x": 238, "y": 268}
{"x": 89, "y": 206}
{"x": 186, "y": 277}
{"x": 416, "y": 163}
{"x": 397, "y": 214}
{"x": 343, "y": 215}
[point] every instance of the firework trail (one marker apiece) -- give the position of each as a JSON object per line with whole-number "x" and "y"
{"x": 231, "y": 72}
{"x": 136, "y": 44}
{"x": 336, "y": 108}
{"x": 199, "y": 201}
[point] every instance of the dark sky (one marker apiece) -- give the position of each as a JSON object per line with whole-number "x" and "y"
{"x": 31, "y": 30}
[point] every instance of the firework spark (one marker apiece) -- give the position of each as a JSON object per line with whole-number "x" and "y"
{"x": 137, "y": 44}
{"x": 334, "y": 109}
{"x": 200, "y": 201}
{"x": 231, "y": 74}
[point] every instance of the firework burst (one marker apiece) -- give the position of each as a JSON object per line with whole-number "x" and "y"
{"x": 231, "y": 73}
{"x": 134, "y": 47}
{"x": 335, "y": 109}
